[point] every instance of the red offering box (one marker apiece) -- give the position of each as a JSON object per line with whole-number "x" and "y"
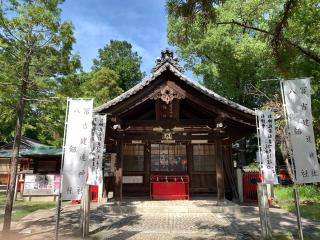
{"x": 169, "y": 187}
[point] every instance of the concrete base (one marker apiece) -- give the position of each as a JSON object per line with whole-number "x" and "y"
{"x": 40, "y": 198}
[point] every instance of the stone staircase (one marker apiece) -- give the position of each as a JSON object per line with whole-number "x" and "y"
{"x": 134, "y": 206}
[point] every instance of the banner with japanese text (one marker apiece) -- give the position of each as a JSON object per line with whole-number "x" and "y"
{"x": 266, "y": 134}
{"x": 95, "y": 175}
{"x": 297, "y": 102}
{"x": 76, "y": 148}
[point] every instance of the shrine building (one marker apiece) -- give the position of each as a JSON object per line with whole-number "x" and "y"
{"x": 171, "y": 128}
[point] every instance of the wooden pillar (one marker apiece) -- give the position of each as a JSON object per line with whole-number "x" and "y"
{"x": 147, "y": 163}
{"x": 189, "y": 162}
{"x": 118, "y": 173}
{"x": 219, "y": 171}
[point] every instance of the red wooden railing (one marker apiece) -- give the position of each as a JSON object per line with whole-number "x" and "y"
{"x": 250, "y": 180}
{"x": 164, "y": 187}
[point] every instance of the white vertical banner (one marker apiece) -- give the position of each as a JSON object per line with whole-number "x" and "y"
{"x": 95, "y": 176}
{"x": 297, "y": 102}
{"x": 76, "y": 148}
{"x": 266, "y": 134}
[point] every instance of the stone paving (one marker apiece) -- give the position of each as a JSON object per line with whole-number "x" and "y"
{"x": 135, "y": 219}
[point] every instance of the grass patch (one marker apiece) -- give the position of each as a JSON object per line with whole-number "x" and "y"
{"x": 282, "y": 236}
{"x": 309, "y": 197}
{"x": 23, "y": 208}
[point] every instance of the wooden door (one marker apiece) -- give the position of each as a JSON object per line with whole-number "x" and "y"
{"x": 203, "y": 172}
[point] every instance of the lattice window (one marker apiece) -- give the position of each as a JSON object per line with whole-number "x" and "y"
{"x": 133, "y": 158}
{"x": 203, "y": 157}
{"x": 165, "y": 157}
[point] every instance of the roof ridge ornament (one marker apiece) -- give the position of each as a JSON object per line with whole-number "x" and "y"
{"x": 167, "y": 57}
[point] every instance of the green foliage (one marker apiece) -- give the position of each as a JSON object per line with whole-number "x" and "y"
{"x": 102, "y": 85}
{"x": 22, "y": 209}
{"x": 309, "y": 198}
{"x": 251, "y": 166}
{"x": 282, "y": 236}
{"x": 309, "y": 193}
{"x": 35, "y": 49}
{"x": 238, "y": 44}
{"x": 119, "y": 57}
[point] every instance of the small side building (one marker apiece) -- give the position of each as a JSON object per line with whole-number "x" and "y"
{"x": 34, "y": 158}
{"x": 25, "y": 163}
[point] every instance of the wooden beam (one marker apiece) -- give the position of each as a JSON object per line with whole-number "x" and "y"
{"x": 168, "y": 122}
{"x": 149, "y": 136}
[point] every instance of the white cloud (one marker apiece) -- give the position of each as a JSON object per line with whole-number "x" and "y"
{"x": 90, "y": 37}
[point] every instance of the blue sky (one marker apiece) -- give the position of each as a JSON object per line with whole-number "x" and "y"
{"x": 140, "y": 22}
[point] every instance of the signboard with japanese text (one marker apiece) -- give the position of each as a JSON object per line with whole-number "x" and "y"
{"x": 76, "y": 148}
{"x": 97, "y": 147}
{"x": 266, "y": 132}
{"x": 297, "y": 102}
{"x": 41, "y": 185}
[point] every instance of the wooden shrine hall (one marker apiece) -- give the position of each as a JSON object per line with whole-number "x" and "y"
{"x": 168, "y": 129}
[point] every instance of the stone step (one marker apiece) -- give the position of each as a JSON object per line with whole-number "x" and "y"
{"x": 169, "y": 207}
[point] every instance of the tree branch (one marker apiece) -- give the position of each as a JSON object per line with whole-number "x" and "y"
{"x": 278, "y": 30}
{"x": 9, "y": 84}
{"x": 37, "y": 100}
{"x": 306, "y": 52}
{"x": 246, "y": 26}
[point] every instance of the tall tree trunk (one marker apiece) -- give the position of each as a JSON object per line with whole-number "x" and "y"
{"x": 16, "y": 145}
{"x": 286, "y": 157}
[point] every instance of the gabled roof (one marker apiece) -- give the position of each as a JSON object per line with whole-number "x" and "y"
{"x": 30, "y": 147}
{"x": 168, "y": 62}
{"x": 42, "y": 151}
{"x": 25, "y": 144}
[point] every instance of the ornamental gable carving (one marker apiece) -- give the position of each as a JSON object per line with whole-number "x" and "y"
{"x": 167, "y": 94}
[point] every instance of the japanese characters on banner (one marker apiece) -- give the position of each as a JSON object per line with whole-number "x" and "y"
{"x": 297, "y": 102}
{"x": 266, "y": 131}
{"x": 76, "y": 148}
{"x": 97, "y": 146}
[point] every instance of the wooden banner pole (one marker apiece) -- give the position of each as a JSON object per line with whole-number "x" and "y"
{"x": 266, "y": 230}
{"x": 85, "y": 212}
{"x": 58, "y": 208}
{"x": 296, "y": 202}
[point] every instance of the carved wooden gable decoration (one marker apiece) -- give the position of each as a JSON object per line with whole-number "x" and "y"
{"x": 167, "y": 100}
{"x": 167, "y": 94}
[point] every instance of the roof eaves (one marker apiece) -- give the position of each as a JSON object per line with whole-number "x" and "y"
{"x": 183, "y": 77}
{"x": 133, "y": 90}
{"x": 210, "y": 93}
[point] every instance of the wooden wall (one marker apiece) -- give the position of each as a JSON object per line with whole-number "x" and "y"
{"x": 200, "y": 182}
